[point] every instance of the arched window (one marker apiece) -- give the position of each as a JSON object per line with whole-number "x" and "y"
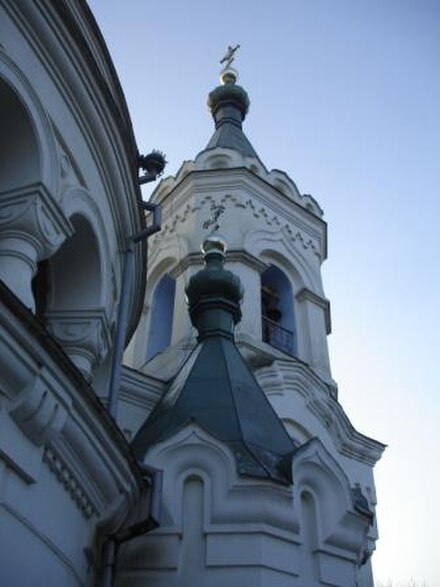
{"x": 19, "y": 175}
{"x": 161, "y": 321}
{"x": 278, "y": 320}
{"x": 18, "y": 144}
{"x": 75, "y": 270}
{"x": 73, "y": 301}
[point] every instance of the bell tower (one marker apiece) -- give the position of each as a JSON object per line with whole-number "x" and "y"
{"x": 277, "y": 243}
{"x": 263, "y": 470}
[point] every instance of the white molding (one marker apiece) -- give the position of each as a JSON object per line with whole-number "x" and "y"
{"x": 32, "y": 228}
{"x": 305, "y": 294}
{"x": 299, "y": 378}
{"x": 84, "y": 335}
{"x": 69, "y": 481}
{"x": 41, "y": 408}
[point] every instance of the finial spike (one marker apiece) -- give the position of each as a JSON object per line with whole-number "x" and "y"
{"x": 228, "y": 74}
{"x": 229, "y": 56}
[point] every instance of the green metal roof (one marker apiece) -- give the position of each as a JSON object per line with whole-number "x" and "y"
{"x": 229, "y": 104}
{"x": 216, "y": 389}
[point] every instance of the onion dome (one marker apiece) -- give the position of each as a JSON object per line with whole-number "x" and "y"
{"x": 229, "y": 104}
{"x": 228, "y": 99}
{"x": 213, "y": 293}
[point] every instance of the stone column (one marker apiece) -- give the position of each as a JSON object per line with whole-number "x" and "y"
{"x": 248, "y": 268}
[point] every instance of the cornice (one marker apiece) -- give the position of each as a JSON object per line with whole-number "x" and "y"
{"x": 191, "y": 260}
{"x": 242, "y": 256}
{"x": 232, "y": 256}
{"x": 301, "y": 236}
{"x": 239, "y": 177}
{"x": 140, "y": 389}
{"x": 189, "y": 169}
{"x": 33, "y": 346}
{"x": 325, "y": 407}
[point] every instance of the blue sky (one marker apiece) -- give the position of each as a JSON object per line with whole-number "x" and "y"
{"x": 345, "y": 97}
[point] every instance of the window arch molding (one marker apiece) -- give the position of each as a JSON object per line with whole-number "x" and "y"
{"x": 272, "y": 247}
{"x": 285, "y": 328}
{"x": 81, "y": 283}
{"x": 32, "y": 225}
{"x": 296, "y": 431}
{"x": 137, "y": 349}
{"x": 48, "y": 160}
{"x": 318, "y": 473}
{"x": 78, "y": 202}
{"x": 165, "y": 265}
{"x": 275, "y": 259}
{"x": 161, "y": 316}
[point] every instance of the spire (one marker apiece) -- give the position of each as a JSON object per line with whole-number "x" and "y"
{"x": 229, "y": 104}
{"x": 215, "y": 388}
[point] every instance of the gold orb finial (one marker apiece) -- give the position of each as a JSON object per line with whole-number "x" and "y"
{"x": 228, "y": 76}
{"x": 214, "y": 244}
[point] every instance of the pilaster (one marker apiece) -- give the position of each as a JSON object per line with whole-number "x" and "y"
{"x": 317, "y": 314}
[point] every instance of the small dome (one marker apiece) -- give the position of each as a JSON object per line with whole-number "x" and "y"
{"x": 214, "y": 287}
{"x": 229, "y": 94}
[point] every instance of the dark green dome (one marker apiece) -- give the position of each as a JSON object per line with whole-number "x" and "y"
{"x": 214, "y": 288}
{"x": 229, "y": 104}
{"x": 229, "y": 95}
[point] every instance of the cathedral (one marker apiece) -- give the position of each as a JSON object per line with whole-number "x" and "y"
{"x": 216, "y": 452}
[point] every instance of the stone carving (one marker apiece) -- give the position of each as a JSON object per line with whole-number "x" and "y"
{"x": 69, "y": 482}
{"x": 33, "y": 212}
{"x": 41, "y": 409}
{"x": 294, "y": 235}
{"x": 84, "y": 335}
{"x": 213, "y": 221}
{"x": 32, "y": 227}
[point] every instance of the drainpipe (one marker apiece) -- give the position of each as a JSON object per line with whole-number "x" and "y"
{"x": 110, "y": 548}
{"x": 126, "y": 290}
{"x": 153, "y": 165}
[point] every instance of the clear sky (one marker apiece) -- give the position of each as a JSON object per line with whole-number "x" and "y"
{"x": 345, "y": 97}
